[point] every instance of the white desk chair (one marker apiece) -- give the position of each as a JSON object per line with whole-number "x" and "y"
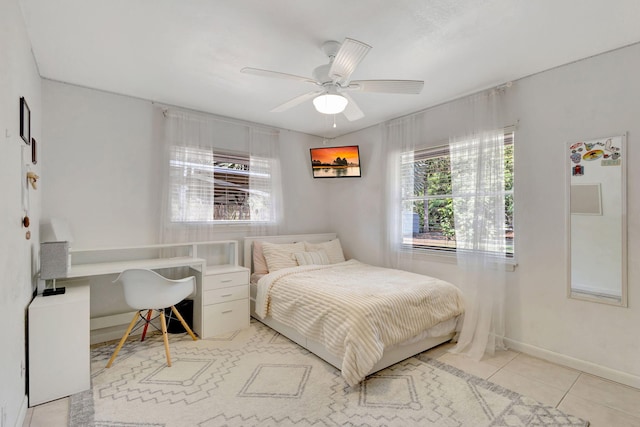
{"x": 147, "y": 290}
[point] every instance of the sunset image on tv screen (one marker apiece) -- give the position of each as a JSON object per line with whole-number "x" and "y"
{"x": 335, "y": 162}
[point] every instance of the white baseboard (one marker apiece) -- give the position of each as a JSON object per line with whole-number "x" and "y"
{"x": 578, "y": 364}
{"x": 108, "y": 328}
{"x": 23, "y": 411}
{"x": 111, "y": 320}
{"x": 100, "y": 336}
{"x": 112, "y": 327}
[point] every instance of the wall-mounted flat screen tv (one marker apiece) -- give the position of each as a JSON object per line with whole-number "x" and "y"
{"x": 336, "y": 162}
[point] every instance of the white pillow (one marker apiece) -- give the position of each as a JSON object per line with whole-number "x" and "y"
{"x": 332, "y": 247}
{"x": 259, "y": 262}
{"x": 312, "y": 258}
{"x": 280, "y": 256}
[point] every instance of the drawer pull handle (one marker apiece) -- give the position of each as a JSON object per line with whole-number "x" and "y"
{"x": 225, "y": 295}
{"x": 226, "y": 281}
{"x": 227, "y": 311}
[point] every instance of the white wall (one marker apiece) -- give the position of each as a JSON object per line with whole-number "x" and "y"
{"x": 589, "y": 99}
{"x": 103, "y": 169}
{"x": 18, "y": 256}
{"x": 306, "y": 203}
{"x": 101, "y": 166}
{"x": 357, "y": 203}
{"x": 102, "y": 173}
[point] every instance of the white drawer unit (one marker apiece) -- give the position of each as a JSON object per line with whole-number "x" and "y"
{"x": 225, "y": 280}
{"x": 225, "y": 300}
{"x": 226, "y": 317}
{"x": 232, "y": 293}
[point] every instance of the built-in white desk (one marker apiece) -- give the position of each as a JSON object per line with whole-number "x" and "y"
{"x": 196, "y": 268}
{"x": 220, "y": 305}
{"x": 101, "y": 268}
{"x": 222, "y": 266}
{"x": 87, "y": 263}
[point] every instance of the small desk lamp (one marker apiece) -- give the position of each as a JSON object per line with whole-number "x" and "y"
{"x": 54, "y": 253}
{"x": 53, "y": 264}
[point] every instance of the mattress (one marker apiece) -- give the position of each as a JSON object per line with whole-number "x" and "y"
{"x": 440, "y": 329}
{"x": 357, "y": 311}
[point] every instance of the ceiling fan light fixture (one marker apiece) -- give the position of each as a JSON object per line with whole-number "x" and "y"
{"x": 329, "y": 103}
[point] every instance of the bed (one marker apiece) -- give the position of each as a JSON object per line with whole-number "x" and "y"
{"x": 357, "y": 317}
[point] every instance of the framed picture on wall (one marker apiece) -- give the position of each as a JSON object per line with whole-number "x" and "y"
{"x": 25, "y": 121}
{"x": 34, "y": 151}
{"x": 336, "y": 162}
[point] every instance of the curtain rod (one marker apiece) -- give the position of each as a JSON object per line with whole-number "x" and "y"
{"x": 445, "y": 144}
{"x": 500, "y": 88}
{"x": 166, "y": 109}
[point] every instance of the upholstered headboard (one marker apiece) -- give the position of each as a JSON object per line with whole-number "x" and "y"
{"x": 293, "y": 238}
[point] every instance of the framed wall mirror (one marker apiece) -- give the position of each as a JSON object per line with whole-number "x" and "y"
{"x": 597, "y": 220}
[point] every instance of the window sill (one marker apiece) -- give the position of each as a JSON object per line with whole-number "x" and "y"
{"x": 222, "y": 226}
{"x": 450, "y": 257}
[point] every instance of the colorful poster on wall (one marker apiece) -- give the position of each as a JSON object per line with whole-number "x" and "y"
{"x": 603, "y": 152}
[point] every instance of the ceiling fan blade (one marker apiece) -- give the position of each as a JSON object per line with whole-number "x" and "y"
{"x": 277, "y": 75}
{"x": 352, "y": 112}
{"x": 387, "y": 86}
{"x": 350, "y": 54}
{"x": 296, "y": 101}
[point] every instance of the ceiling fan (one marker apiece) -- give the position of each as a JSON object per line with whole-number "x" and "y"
{"x": 332, "y": 80}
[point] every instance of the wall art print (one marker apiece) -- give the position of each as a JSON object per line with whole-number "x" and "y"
{"x": 25, "y": 121}
{"x": 601, "y": 152}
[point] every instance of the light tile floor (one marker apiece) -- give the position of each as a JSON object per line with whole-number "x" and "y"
{"x": 602, "y": 402}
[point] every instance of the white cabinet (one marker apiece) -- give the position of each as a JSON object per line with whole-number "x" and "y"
{"x": 59, "y": 354}
{"x": 214, "y": 262}
{"x": 225, "y": 300}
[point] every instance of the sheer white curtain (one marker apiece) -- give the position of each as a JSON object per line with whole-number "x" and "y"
{"x": 400, "y": 137}
{"x": 265, "y": 185}
{"x": 190, "y": 138}
{"x": 478, "y": 188}
{"x": 478, "y": 184}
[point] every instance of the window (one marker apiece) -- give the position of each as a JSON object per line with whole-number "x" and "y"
{"x": 217, "y": 187}
{"x": 427, "y": 200}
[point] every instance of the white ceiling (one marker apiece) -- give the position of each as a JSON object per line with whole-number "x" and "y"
{"x": 189, "y": 53}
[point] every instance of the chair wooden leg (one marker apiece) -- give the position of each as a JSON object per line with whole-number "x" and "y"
{"x": 146, "y": 325}
{"x": 184, "y": 324}
{"x": 165, "y": 337}
{"x": 124, "y": 338}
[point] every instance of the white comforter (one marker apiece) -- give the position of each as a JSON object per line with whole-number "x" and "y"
{"x": 355, "y": 309}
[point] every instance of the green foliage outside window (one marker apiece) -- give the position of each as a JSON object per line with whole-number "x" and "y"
{"x": 433, "y": 204}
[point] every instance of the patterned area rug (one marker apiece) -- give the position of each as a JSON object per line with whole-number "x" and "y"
{"x": 256, "y": 377}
